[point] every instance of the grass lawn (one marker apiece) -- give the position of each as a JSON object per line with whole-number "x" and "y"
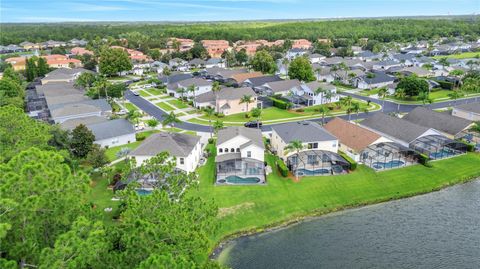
{"x": 178, "y": 104}
{"x": 143, "y": 93}
{"x": 439, "y": 94}
{"x": 247, "y": 208}
{"x": 463, "y": 55}
{"x": 369, "y": 92}
{"x": 101, "y": 196}
{"x": 164, "y": 106}
{"x": 112, "y": 151}
{"x": 130, "y": 106}
{"x": 154, "y": 91}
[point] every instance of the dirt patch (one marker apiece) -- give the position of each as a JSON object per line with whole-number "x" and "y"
{"x": 226, "y": 211}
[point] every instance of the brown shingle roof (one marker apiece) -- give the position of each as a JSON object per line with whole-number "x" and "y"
{"x": 243, "y": 76}
{"x": 351, "y": 135}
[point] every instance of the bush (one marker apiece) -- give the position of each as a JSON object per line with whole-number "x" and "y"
{"x": 219, "y": 115}
{"x": 299, "y": 110}
{"x": 470, "y": 147}
{"x": 140, "y": 137}
{"x": 281, "y": 104}
{"x": 353, "y": 164}
{"x": 282, "y": 168}
{"x": 211, "y": 140}
{"x": 424, "y": 159}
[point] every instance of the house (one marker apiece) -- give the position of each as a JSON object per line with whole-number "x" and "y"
{"x": 295, "y": 52}
{"x": 428, "y": 141}
{"x": 367, "y": 56}
{"x": 29, "y": 45}
{"x": 374, "y": 80}
{"x": 418, "y": 71}
{"x": 158, "y": 66}
{"x": 323, "y": 73}
{"x": 11, "y": 49}
{"x": 180, "y": 88}
{"x": 178, "y": 64}
{"x": 215, "y": 48}
{"x": 174, "y": 77}
{"x": 227, "y": 100}
{"x": 61, "y": 61}
{"x": 259, "y": 81}
{"x": 18, "y": 63}
{"x": 196, "y": 63}
{"x": 315, "y": 58}
{"x": 63, "y": 75}
{"x": 241, "y": 77}
{"x": 282, "y": 87}
{"x": 180, "y": 44}
{"x": 319, "y": 154}
{"x": 384, "y": 65}
{"x": 301, "y": 44}
{"x": 306, "y": 94}
{"x": 469, "y": 111}
{"x": 240, "y": 156}
{"x": 61, "y": 112}
{"x": 134, "y": 55}
{"x": 113, "y": 133}
{"x": 450, "y": 126}
{"x": 80, "y": 51}
{"x": 215, "y": 62}
{"x": 185, "y": 149}
{"x": 78, "y": 43}
{"x": 73, "y": 123}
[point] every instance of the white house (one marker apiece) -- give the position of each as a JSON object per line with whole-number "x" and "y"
{"x": 296, "y": 52}
{"x": 185, "y": 149}
{"x": 201, "y": 86}
{"x": 374, "y": 80}
{"x": 113, "y": 132}
{"x": 240, "y": 156}
{"x": 308, "y": 93}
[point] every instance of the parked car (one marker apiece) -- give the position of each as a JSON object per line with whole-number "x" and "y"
{"x": 253, "y": 124}
{"x": 135, "y": 93}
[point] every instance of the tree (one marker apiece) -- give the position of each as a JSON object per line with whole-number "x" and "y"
{"x": 199, "y": 51}
{"x": 88, "y": 61}
{"x": 58, "y": 50}
{"x": 263, "y": 62}
{"x": 152, "y": 123}
{"x": 443, "y": 62}
{"x": 166, "y": 71}
{"x": 42, "y": 67}
{"x": 400, "y": 94}
{"x": 85, "y": 80}
{"x": 11, "y": 93}
{"x": 454, "y": 95}
{"x": 345, "y": 52}
{"x": 48, "y": 199}
{"x": 96, "y": 156}
{"x": 114, "y": 61}
{"x": 217, "y": 125}
{"x": 301, "y": 69}
{"x": 246, "y": 99}
{"x": 476, "y": 127}
{"x": 322, "y": 48}
{"x": 30, "y": 69}
{"x": 116, "y": 90}
{"x": 19, "y": 132}
{"x": 133, "y": 116}
{"x": 241, "y": 56}
{"x": 155, "y": 54}
{"x": 171, "y": 119}
{"x": 216, "y": 88}
{"x": 356, "y": 108}
{"x": 60, "y": 138}
{"x": 209, "y": 112}
{"x": 11, "y": 74}
{"x": 294, "y": 146}
{"x": 382, "y": 93}
{"x": 413, "y": 85}
{"x": 320, "y": 91}
{"x": 324, "y": 111}
{"x": 256, "y": 113}
{"x": 81, "y": 141}
{"x": 424, "y": 97}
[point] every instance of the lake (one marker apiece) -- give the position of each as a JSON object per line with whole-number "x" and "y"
{"x": 436, "y": 230}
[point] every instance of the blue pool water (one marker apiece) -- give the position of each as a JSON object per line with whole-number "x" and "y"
{"x": 306, "y": 172}
{"x": 390, "y": 164}
{"x": 241, "y": 180}
{"x": 143, "y": 192}
{"x": 444, "y": 153}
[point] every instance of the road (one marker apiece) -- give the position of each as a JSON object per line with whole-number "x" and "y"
{"x": 388, "y": 107}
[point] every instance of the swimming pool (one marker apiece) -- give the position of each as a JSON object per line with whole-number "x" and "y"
{"x": 386, "y": 165}
{"x": 143, "y": 192}
{"x": 444, "y": 153}
{"x": 240, "y": 180}
{"x": 307, "y": 172}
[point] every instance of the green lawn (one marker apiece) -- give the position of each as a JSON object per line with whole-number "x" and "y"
{"x": 130, "y": 106}
{"x": 154, "y": 91}
{"x": 439, "y": 94}
{"x": 463, "y": 55}
{"x": 247, "y": 208}
{"x": 177, "y": 103}
{"x": 101, "y": 196}
{"x": 164, "y": 106}
{"x": 369, "y": 92}
{"x": 143, "y": 93}
{"x": 112, "y": 151}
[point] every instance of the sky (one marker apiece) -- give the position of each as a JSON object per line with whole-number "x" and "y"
{"x": 214, "y": 10}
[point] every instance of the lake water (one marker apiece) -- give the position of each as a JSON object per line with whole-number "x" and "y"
{"x": 436, "y": 230}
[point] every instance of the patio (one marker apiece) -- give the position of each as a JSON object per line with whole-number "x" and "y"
{"x": 438, "y": 147}
{"x": 237, "y": 170}
{"x": 388, "y": 155}
{"x": 317, "y": 163}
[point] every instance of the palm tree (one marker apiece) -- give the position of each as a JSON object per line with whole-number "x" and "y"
{"x": 216, "y": 89}
{"x": 356, "y": 108}
{"x": 256, "y": 113}
{"x": 424, "y": 97}
{"x": 320, "y": 91}
{"x": 324, "y": 111}
{"x": 246, "y": 99}
{"x": 476, "y": 127}
{"x": 192, "y": 88}
{"x": 297, "y": 146}
{"x": 443, "y": 62}
{"x": 382, "y": 93}
{"x": 329, "y": 95}
{"x": 349, "y": 113}
{"x": 209, "y": 112}
{"x": 400, "y": 94}
{"x": 217, "y": 125}
{"x": 347, "y": 101}
{"x": 134, "y": 115}
{"x": 170, "y": 119}
{"x": 181, "y": 91}
{"x": 454, "y": 95}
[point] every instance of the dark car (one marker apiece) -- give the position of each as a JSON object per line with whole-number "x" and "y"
{"x": 253, "y": 124}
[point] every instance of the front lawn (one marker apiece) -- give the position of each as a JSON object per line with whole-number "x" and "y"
{"x": 246, "y": 208}
{"x": 143, "y": 93}
{"x": 112, "y": 151}
{"x": 154, "y": 91}
{"x": 164, "y": 106}
{"x": 130, "y": 106}
{"x": 178, "y": 104}
{"x": 463, "y": 55}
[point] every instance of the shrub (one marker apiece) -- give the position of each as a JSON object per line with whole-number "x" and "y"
{"x": 353, "y": 164}
{"x": 281, "y": 104}
{"x": 219, "y": 115}
{"x": 140, "y": 137}
{"x": 211, "y": 140}
{"x": 424, "y": 159}
{"x": 445, "y": 84}
{"x": 282, "y": 168}
{"x": 470, "y": 147}
{"x": 299, "y": 110}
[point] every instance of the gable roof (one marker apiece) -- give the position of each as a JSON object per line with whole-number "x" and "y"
{"x": 305, "y": 131}
{"x": 194, "y": 81}
{"x": 72, "y": 123}
{"x": 471, "y": 107}
{"x": 111, "y": 128}
{"x": 235, "y": 93}
{"x": 259, "y": 81}
{"x": 314, "y": 85}
{"x": 436, "y": 120}
{"x": 283, "y": 85}
{"x": 378, "y": 77}
{"x": 351, "y": 135}
{"x": 65, "y": 73}
{"x": 177, "y": 144}
{"x": 395, "y": 127}
{"x": 253, "y": 135}
{"x": 241, "y": 77}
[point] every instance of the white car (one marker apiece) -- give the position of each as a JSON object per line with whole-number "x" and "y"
{"x": 136, "y": 93}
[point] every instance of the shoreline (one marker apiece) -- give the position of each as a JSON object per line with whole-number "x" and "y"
{"x": 229, "y": 239}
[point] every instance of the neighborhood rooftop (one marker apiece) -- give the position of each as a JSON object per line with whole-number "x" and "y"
{"x": 254, "y": 135}
{"x": 351, "y": 134}
{"x": 176, "y": 144}
{"x": 436, "y": 120}
{"x": 304, "y": 131}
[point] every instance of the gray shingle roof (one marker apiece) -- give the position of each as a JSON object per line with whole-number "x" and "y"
{"x": 439, "y": 121}
{"x": 471, "y": 107}
{"x": 235, "y": 93}
{"x": 65, "y": 73}
{"x": 305, "y": 131}
{"x": 111, "y": 128}
{"x": 228, "y": 156}
{"x": 79, "y": 108}
{"x": 284, "y": 85}
{"x": 205, "y": 97}
{"x": 259, "y": 81}
{"x": 378, "y": 77}
{"x": 394, "y": 127}
{"x": 179, "y": 145}
{"x": 71, "y": 124}
{"x": 254, "y": 135}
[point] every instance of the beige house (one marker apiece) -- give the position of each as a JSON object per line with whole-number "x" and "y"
{"x": 228, "y": 100}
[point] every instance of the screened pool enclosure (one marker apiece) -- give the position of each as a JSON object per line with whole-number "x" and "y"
{"x": 233, "y": 169}
{"x": 388, "y": 155}
{"x": 317, "y": 163}
{"x": 438, "y": 147}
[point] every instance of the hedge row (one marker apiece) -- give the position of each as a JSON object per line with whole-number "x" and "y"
{"x": 353, "y": 164}
{"x": 281, "y": 104}
{"x": 282, "y": 168}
